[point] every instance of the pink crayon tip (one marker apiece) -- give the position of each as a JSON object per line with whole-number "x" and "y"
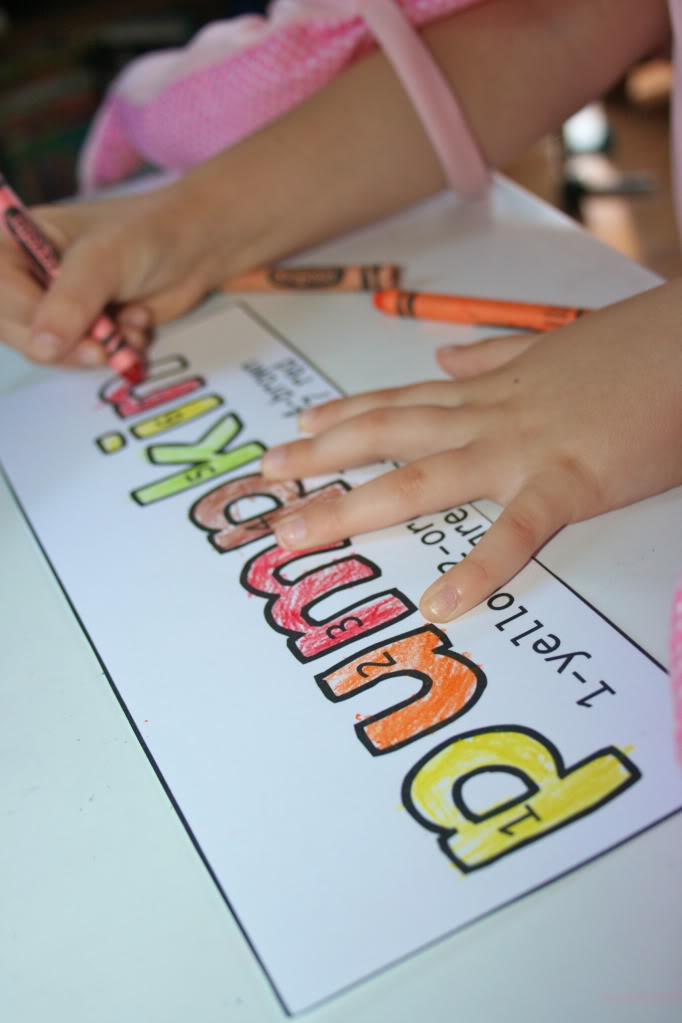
{"x": 135, "y": 373}
{"x": 129, "y": 364}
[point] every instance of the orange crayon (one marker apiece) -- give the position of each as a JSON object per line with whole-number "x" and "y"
{"x": 316, "y": 278}
{"x": 489, "y": 312}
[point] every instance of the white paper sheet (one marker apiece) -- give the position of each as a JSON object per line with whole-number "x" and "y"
{"x": 359, "y": 782}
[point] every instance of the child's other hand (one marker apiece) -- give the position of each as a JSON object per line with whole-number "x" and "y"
{"x": 148, "y": 255}
{"x": 572, "y": 424}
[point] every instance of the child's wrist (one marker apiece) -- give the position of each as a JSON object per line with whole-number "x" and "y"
{"x": 225, "y": 221}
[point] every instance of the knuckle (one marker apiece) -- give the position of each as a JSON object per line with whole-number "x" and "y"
{"x": 400, "y": 395}
{"x": 481, "y": 576}
{"x": 409, "y": 483}
{"x": 523, "y": 530}
{"x": 586, "y": 490}
{"x": 331, "y": 517}
{"x": 319, "y": 417}
{"x": 324, "y": 520}
{"x": 377, "y": 420}
{"x": 388, "y": 395}
{"x": 291, "y": 458}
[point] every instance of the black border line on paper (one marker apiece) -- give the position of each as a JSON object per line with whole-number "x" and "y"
{"x": 591, "y": 606}
{"x": 185, "y": 823}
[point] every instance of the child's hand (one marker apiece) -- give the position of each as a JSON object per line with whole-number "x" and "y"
{"x": 586, "y": 419}
{"x": 151, "y": 255}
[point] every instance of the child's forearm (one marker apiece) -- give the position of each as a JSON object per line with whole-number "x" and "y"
{"x": 353, "y": 152}
{"x": 356, "y": 150}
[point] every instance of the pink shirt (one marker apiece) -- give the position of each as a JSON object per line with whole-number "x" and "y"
{"x": 177, "y": 108}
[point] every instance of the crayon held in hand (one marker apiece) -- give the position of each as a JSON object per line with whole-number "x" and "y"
{"x": 44, "y": 259}
{"x": 317, "y": 278}
{"x": 489, "y": 312}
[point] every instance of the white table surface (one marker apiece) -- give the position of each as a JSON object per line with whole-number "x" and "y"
{"x": 107, "y": 912}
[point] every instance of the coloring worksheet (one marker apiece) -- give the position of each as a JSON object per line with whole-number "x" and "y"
{"x": 359, "y": 782}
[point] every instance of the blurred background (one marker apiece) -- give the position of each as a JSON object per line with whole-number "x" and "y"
{"x": 609, "y": 167}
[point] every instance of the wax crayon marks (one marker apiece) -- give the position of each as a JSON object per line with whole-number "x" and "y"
{"x": 110, "y": 443}
{"x": 128, "y": 399}
{"x": 154, "y": 425}
{"x": 449, "y": 685}
{"x": 289, "y": 603}
{"x": 207, "y": 458}
{"x": 217, "y": 511}
{"x": 203, "y": 459}
{"x": 434, "y": 791}
{"x": 176, "y": 416}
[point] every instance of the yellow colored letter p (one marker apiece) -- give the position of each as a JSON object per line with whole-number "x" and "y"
{"x": 554, "y": 795}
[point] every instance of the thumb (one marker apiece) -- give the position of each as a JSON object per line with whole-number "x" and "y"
{"x": 89, "y": 277}
{"x": 539, "y": 510}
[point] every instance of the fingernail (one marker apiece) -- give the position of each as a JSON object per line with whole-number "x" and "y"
{"x": 290, "y": 533}
{"x": 91, "y": 355}
{"x": 441, "y": 604}
{"x": 45, "y": 346}
{"x": 304, "y": 421}
{"x": 273, "y": 460}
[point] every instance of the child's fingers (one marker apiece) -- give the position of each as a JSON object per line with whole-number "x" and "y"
{"x": 89, "y": 277}
{"x": 472, "y": 360}
{"x": 529, "y": 520}
{"x": 89, "y": 352}
{"x": 432, "y": 392}
{"x": 398, "y": 434}
{"x": 85, "y": 355}
{"x": 435, "y": 482}
{"x": 172, "y": 302}
{"x": 135, "y": 316}
{"x": 19, "y": 295}
{"x": 137, "y": 339}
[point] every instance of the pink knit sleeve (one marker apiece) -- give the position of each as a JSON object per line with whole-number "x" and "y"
{"x": 176, "y": 108}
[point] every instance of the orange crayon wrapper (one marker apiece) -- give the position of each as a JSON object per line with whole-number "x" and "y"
{"x": 375, "y": 277}
{"x": 488, "y": 312}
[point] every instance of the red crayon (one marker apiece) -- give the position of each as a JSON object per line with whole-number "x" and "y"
{"x": 489, "y": 312}
{"x": 45, "y": 259}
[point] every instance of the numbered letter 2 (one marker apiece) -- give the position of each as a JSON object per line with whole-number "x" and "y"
{"x": 449, "y": 684}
